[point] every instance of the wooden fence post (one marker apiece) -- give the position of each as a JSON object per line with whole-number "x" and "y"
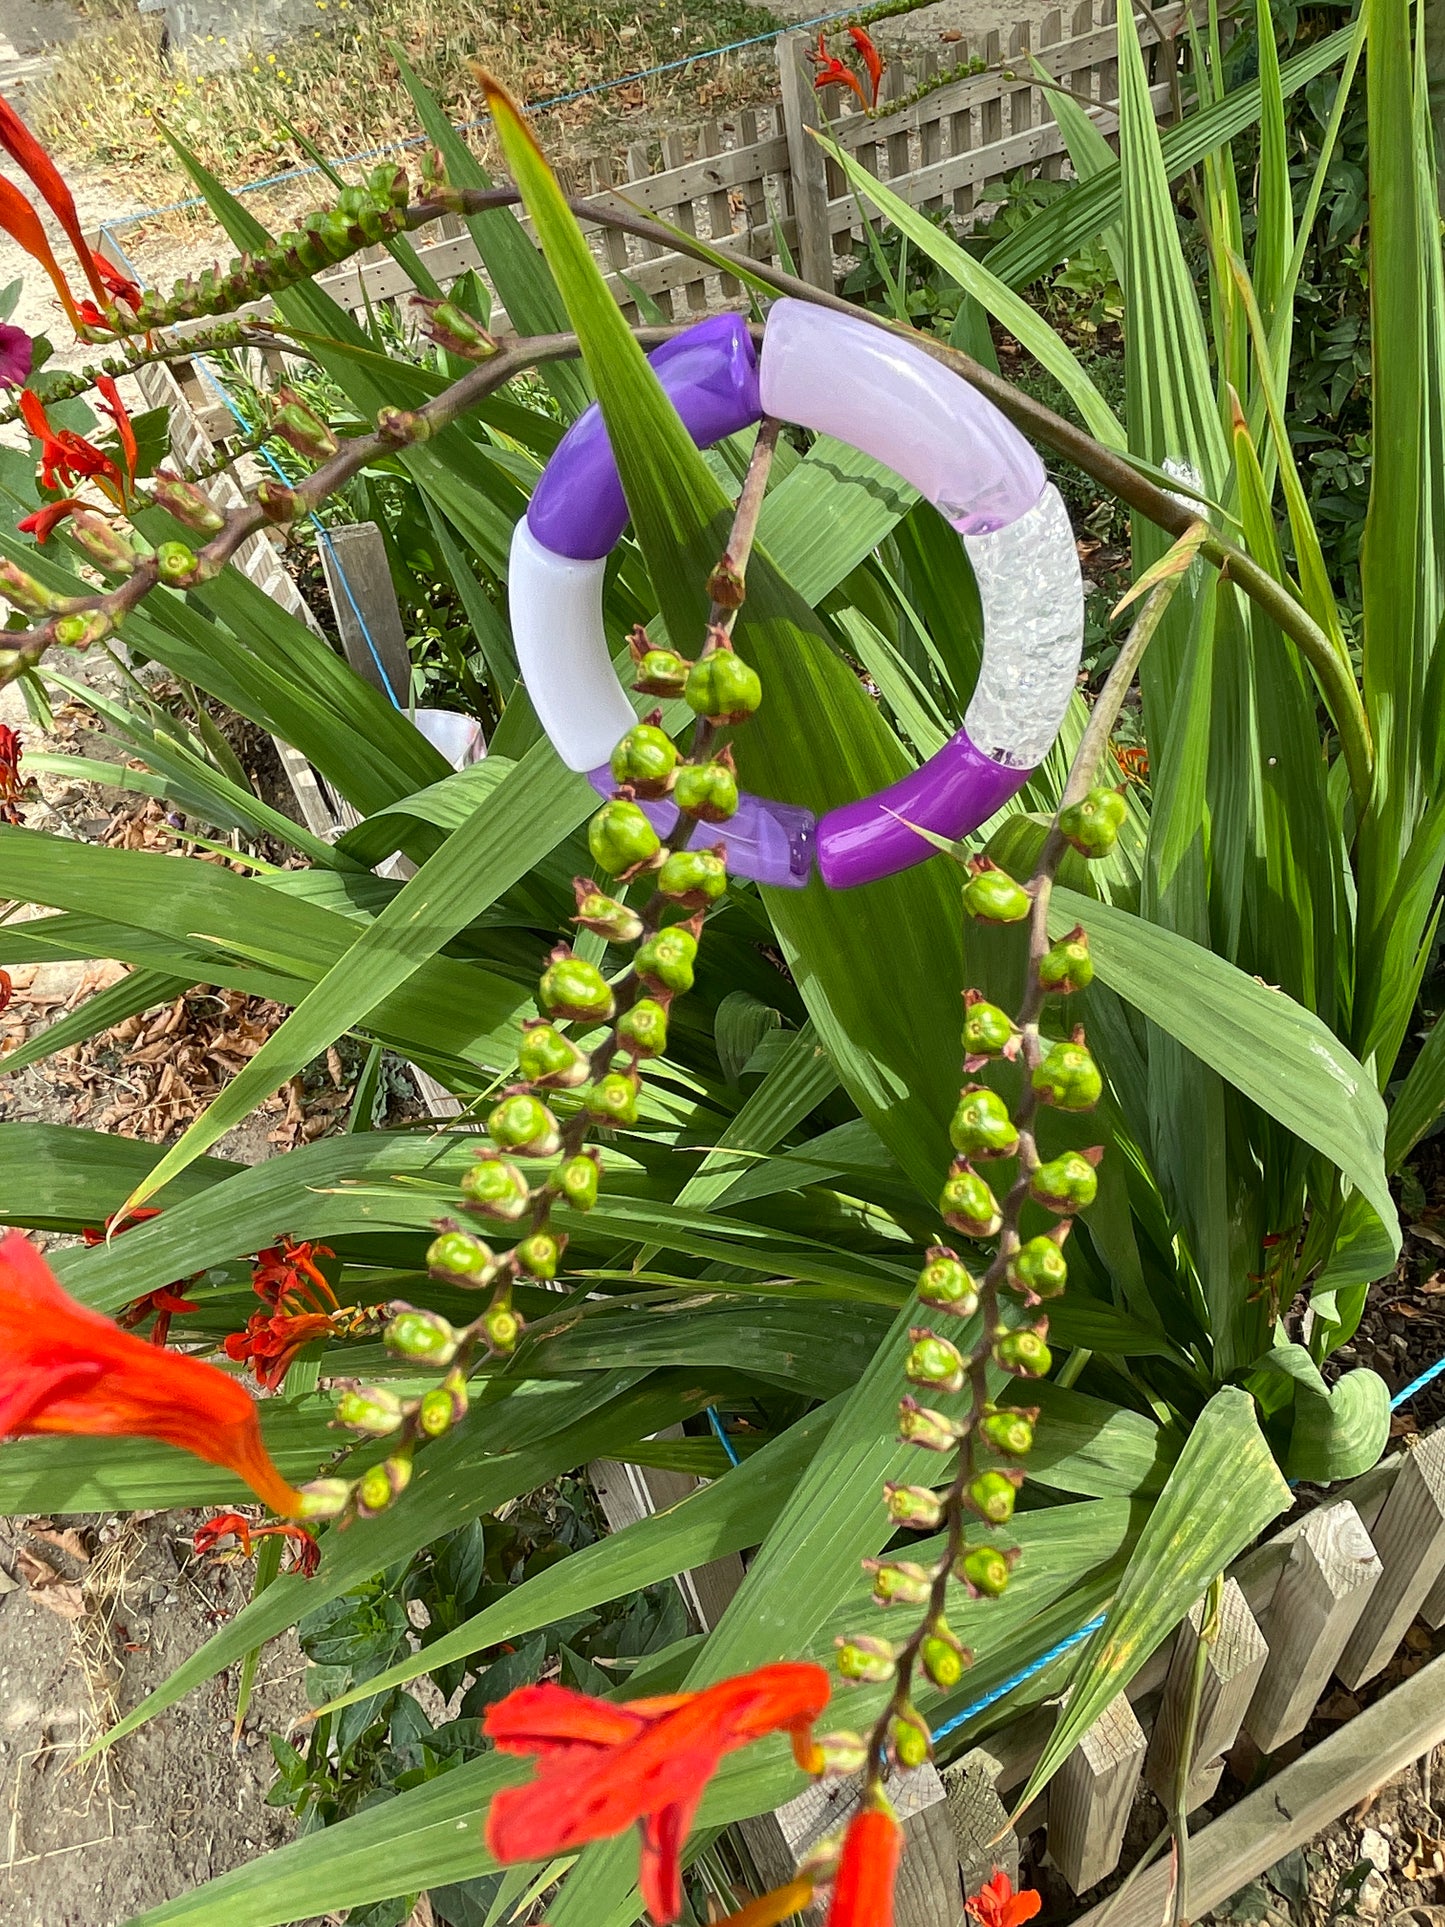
{"x": 1091, "y": 1795}
{"x": 1232, "y": 1668}
{"x": 358, "y": 580}
{"x": 1409, "y": 1536}
{"x": 982, "y": 1836}
{"x": 1433, "y": 1610}
{"x": 1323, "y": 1590}
{"x": 805, "y": 161}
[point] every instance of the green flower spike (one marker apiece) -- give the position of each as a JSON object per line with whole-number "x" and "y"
{"x": 1025, "y": 1351}
{"x": 642, "y": 1030}
{"x": 967, "y": 1204}
{"x": 523, "y": 1123}
{"x": 987, "y": 1032}
{"x": 933, "y": 1362}
{"x": 944, "y": 1284}
{"x": 459, "y": 1258}
{"x": 425, "y": 1335}
{"x": 991, "y": 1494}
{"x": 1038, "y": 1268}
{"x": 864, "y": 1660}
{"x": 693, "y": 878}
{"x": 605, "y": 915}
{"x": 708, "y": 791}
{"x": 580, "y": 1180}
{"x": 1009, "y": 1429}
{"x": 495, "y": 1189}
{"x": 545, "y": 1056}
{"x": 666, "y": 960}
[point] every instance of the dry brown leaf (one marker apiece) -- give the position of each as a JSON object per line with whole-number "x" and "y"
{"x": 69, "y": 1541}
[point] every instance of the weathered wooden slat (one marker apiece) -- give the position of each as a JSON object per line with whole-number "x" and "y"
{"x": 1091, "y": 1795}
{"x": 1051, "y": 33}
{"x": 1331, "y": 1572}
{"x": 363, "y": 598}
{"x": 983, "y": 1836}
{"x": 1232, "y": 1667}
{"x": 1409, "y": 1536}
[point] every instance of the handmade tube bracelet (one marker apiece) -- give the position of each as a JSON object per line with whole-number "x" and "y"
{"x": 842, "y": 377}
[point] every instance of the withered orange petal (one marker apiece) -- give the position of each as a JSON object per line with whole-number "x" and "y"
{"x": 546, "y": 1718}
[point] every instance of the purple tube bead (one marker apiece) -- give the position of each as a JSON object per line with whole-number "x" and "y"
{"x": 765, "y": 841}
{"x": 953, "y": 793}
{"x": 710, "y": 375}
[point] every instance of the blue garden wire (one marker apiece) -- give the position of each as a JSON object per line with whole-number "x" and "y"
{"x": 466, "y": 127}
{"x": 722, "y": 1438}
{"x": 1417, "y": 1385}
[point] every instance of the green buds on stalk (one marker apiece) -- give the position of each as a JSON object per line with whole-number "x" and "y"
{"x": 25, "y": 592}
{"x": 495, "y": 1189}
{"x": 1009, "y": 1429}
{"x": 1093, "y": 826}
{"x": 837, "y": 1755}
{"x": 864, "y": 1660}
{"x": 1023, "y": 1352}
{"x": 914, "y": 1505}
{"x": 920, "y": 1425}
{"x": 1067, "y": 966}
{"x": 909, "y": 1740}
{"x": 981, "y": 1125}
{"x": 666, "y": 960}
{"x": 933, "y": 1362}
{"x": 899, "y": 1582}
{"x": 278, "y": 503}
{"x": 944, "y": 1657}
{"x": 1068, "y": 1077}
{"x": 545, "y": 1056}
{"x": 301, "y": 428}
{"x": 572, "y": 987}
{"x": 325, "y": 1499}
{"x": 645, "y": 758}
{"x": 452, "y": 328}
{"x": 1068, "y": 1182}
{"x": 442, "y": 1407}
{"x": 722, "y": 687}
{"x": 613, "y": 1098}
{"x": 502, "y": 1326}
{"x": 458, "y": 1258}
{"x": 620, "y": 837}
{"x": 103, "y": 542}
{"x": 991, "y": 1494}
{"x": 944, "y": 1283}
{"x": 540, "y": 1254}
{"x": 190, "y": 505}
{"x": 985, "y": 1570}
{"x": 987, "y": 1031}
{"x": 693, "y": 878}
{"x": 580, "y": 1180}
{"x": 382, "y": 1485}
{"x": 176, "y": 564}
{"x": 967, "y": 1204}
{"x": 371, "y": 1409}
{"x": 642, "y": 1030}
{"x": 659, "y": 672}
{"x": 425, "y": 1335}
{"x": 992, "y": 896}
{"x": 402, "y": 427}
{"x": 80, "y": 631}
{"x": 523, "y": 1123}
{"x": 604, "y": 915}
{"x": 1038, "y": 1268}
{"x": 708, "y": 791}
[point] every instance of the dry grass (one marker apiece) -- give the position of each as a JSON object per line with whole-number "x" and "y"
{"x": 340, "y": 85}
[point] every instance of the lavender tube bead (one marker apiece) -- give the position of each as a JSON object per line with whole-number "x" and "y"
{"x": 710, "y": 375}
{"x": 953, "y": 793}
{"x": 765, "y": 841}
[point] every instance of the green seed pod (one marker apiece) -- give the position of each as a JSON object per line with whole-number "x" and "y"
{"x": 604, "y": 914}
{"x": 708, "y": 791}
{"x": 1039, "y": 1267}
{"x": 572, "y": 987}
{"x": 496, "y": 1189}
{"x": 189, "y": 504}
{"x": 899, "y": 1581}
{"x": 1024, "y": 1352}
{"x": 838, "y": 1754}
{"x": 933, "y": 1362}
{"x": 453, "y": 329}
{"x": 103, "y": 542}
{"x": 992, "y": 896}
{"x": 646, "y": 758}
{"x": 279, "y": 504}
{"x": 1068, "y": 1077}
{"x": 523, "y": 1123}
{"x": 908, "y": 1739}
{"x": 945, "y": 1284}
{"x": 987, "y": 1030}
{"x": 26, "y": 593}
{"x": 967, "y": 1204}
{"x": 865, "y": 1660}
{"x": 545, "y": 1055}
{"x": 1010, "y": 1430}
{"x": 981, "y": 1125}
{"x": 387, "y": 185}
{"x": 985, "y": 1571}
{"x": 992, "y": 1495}
{"x": 1093, "y": 826}
{"x": 723, "y": 687}
{"x": 460, "y": 1258}
{"x": 693, "y": 878}
{"x": 79, "y": 632}
{"x": 300, "y": 427}
{"x": 920, "y": 1425}
{"x": 443, "y": 1407}
{"x": 620, "y": 837}
{"x": 642, "y": 1030}
{"x": 944, "y": 1657}
{"x": 382, "y": 1485}
{"x": 325, "y": 1499}
{"x": 175, "y": 563}
{"x": 402, "y": 427}
{"x": 422, "y": 1334}
{"x": 540, "y": 1254}
{"x": 1067, "y": 966}
{"x": 665, "y": 961}
{"x": 502, "y": 1326}
{"x": 913, "y": 1505}
{"x": 659, "y": 672}
{"x": 580, "y": 1179}
{"x": 1066, "y": 1183}
{"x": 612, "y": 1099}
{"x": 370, "y": 1409}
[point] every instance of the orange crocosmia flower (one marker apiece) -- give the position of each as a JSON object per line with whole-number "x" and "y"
{"x": 863, "y": 1886}
{"x": 288, "y": 1270}
{"x": 64, "y": 1368}
{"x": 64, "y": 455}
{"x": 997, "y": 1905}
{"x": 113, "y": 406}
{"x": 43, "y": 523}
{"x": 27, "y": 153}
{"x": 272, "y": 1341}
{"x": 832, "y": 73}
{"x": 603, "y": 1767}
{"x": 10, "y": 784}
{"x": 872, "y": 60}
{"x": 305, "y": 1553}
